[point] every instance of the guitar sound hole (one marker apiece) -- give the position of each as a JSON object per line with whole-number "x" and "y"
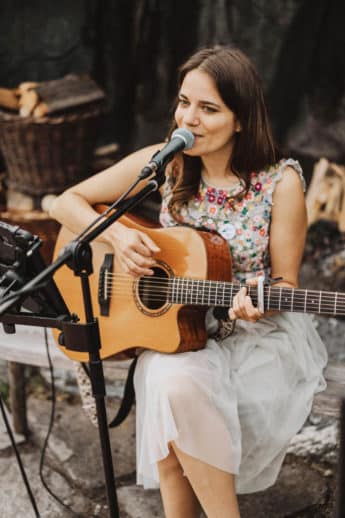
{"x": 153, "y": 290}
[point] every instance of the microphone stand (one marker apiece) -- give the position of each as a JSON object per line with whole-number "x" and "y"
{"x": 76, "y": 336}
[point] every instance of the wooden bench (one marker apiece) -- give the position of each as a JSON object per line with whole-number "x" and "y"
{"x": 27, "y": 347}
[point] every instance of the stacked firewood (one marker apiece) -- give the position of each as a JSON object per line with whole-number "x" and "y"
{"x": 326, "y": 194}
{"x": 41, "y": 99}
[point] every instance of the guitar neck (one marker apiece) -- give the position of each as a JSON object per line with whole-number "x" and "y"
{"x": 218, "y": 293}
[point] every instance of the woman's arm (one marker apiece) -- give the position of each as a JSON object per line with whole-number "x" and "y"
{"x": 74, "y": 210}
{"x": 288, "y": 228}
{"x": 287, "y": 237}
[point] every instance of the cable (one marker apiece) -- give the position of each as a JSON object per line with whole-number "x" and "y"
{"x": 50, "y": 428}
{"x": 19, "y": 460}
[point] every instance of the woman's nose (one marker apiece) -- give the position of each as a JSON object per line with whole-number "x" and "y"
{"x": 190, "y": 116}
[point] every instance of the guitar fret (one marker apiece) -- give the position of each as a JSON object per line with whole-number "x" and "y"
{"x": 182, "y": 290}
{"x": 179, "y": 293}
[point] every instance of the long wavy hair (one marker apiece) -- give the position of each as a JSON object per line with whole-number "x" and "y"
{"x": 240, "y": 88}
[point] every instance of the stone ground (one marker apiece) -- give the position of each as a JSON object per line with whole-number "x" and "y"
{"x": 305, "y": 487}
{"x": 73, "y": 468}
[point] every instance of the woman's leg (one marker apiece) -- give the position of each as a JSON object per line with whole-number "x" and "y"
{"x": 178, "y": 497}
{"x": 214, "y": 488}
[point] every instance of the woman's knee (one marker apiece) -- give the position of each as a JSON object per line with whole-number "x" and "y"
{"x": 169, "y": 465}
{"x": 181, "y": 391}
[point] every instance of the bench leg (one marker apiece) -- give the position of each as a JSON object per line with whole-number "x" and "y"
{"x": 16, "y": 378}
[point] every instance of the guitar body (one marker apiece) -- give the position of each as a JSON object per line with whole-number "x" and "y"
{"x": 128, "y": 319}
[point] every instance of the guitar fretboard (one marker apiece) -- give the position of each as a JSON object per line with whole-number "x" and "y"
{"x": 217, "y": 293}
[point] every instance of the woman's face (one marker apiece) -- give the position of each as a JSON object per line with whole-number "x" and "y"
{"x": 202, "y": 111}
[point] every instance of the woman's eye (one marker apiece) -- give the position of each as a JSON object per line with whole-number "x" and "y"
{"x": 183, "y": 102}
{"x": 209, "y": 109}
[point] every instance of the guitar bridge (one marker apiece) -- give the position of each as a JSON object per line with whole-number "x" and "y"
{"x": 104, "y": 284}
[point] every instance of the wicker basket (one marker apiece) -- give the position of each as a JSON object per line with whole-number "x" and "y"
{"x": 48, "y": 154}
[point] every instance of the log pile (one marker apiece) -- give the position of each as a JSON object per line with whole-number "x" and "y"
{"x": 324, "y": 255}
{"x": 50, "y": 97}
{"x": 326, "y": 194}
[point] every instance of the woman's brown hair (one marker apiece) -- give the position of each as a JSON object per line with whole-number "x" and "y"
{"x": 240, "y": 88}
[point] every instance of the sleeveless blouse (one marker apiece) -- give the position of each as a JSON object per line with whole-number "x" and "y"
{"x": 243, "y": 223}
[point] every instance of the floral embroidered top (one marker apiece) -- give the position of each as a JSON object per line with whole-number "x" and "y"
{"x": 243, "y": 223}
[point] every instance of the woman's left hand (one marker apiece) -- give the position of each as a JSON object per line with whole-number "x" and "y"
{"x": 242, "y": 306}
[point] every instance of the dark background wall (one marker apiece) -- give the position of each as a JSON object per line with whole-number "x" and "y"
{"x": 133, "y": 47}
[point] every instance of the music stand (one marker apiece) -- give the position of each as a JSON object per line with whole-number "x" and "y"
{"x": 37, "y": 291}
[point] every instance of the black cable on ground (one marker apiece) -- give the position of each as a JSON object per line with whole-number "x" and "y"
{"x": 19, "y": 460}
{"x": 50, "y": 428}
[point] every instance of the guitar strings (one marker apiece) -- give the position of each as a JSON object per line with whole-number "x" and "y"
{"x": 182, "y": 285}
{"x": 274, "y": 303}
{"x": 300, "y": 299}
{"x": 227, "y": 303}
{"x": 215, "y": 283}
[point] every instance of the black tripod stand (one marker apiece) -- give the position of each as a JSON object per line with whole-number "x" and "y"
{"x": 44, "y": 296}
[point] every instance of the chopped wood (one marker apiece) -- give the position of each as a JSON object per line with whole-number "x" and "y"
{"x": 326, "y": 194}
{"x": 24, "y": 87}
{"x": 27, "y": 102}
{"x": 68, "y": 92}
{"x": 41, "y": 110}
{"x": 41, "y": 99}
{"x": 9, "y": 99}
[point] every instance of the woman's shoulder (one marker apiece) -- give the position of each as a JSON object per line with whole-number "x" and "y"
{"x": 288, "y": 171}
{"x": 284, "y": 176}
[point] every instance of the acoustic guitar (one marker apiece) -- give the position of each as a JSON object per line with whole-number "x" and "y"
{"x": 166, "y": 312}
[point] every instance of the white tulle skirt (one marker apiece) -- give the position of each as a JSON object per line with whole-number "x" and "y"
{"x": 235, "y": 404}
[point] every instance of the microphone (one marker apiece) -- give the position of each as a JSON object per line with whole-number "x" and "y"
{"x": 181, "y": 139}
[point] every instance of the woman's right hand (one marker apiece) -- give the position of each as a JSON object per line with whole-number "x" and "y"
{"x": 133, "y": 248}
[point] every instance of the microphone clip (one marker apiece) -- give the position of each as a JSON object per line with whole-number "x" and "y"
{"x": 150, "y": 168}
